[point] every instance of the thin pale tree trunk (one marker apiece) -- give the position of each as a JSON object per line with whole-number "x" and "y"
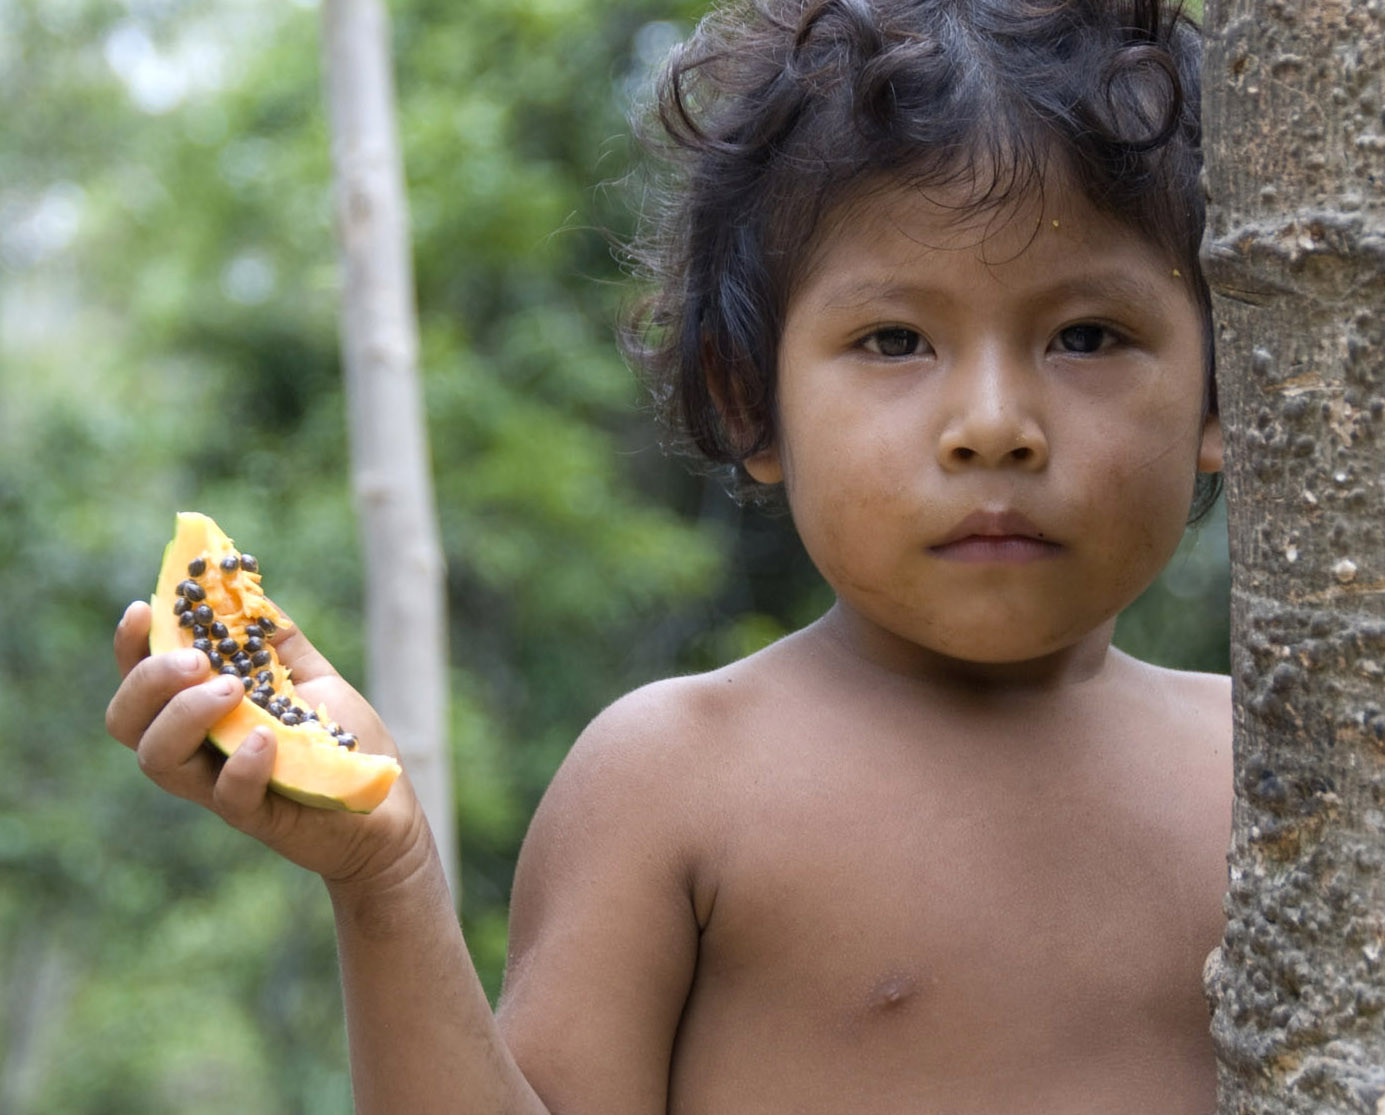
{"x": 35, "y": 1005}
{"x": 406, "y": 612}
{"x": 1295, "y": 252}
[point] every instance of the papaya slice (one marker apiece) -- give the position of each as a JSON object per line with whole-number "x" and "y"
{"x": 208, "y": 596}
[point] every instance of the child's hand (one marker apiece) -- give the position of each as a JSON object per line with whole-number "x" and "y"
{"x": 167, "y": 704}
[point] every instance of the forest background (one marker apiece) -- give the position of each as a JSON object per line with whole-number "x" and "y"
{"x": 168, "y": 340}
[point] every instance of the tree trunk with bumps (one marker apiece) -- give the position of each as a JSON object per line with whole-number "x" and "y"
{"x": 1295, "y": 253}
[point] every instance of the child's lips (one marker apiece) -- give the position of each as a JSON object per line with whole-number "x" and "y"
{"x": 995, "y": 536}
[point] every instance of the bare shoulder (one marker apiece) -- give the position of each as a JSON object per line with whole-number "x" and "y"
{"x": 629, "y": 778}
{"x": 669, "y": 727}
{"x": 649, "y": 772}
{"x": 1198, "y": 703}
{"x": 683, "y": 725}
{"x": 1184, "y": 716}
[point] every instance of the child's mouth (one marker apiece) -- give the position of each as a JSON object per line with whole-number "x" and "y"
{"x": 1001, "y": 548}
{"x": 1005, "y": 537}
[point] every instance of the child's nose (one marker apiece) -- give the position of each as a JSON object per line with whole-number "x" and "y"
{"x": 993, "y": 422}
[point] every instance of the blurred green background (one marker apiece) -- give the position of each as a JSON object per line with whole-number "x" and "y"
{"x": 168, "y": 341}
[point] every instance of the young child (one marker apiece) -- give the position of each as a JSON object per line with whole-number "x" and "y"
{"x": 929, "y": 268}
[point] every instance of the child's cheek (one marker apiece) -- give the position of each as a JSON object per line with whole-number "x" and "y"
{"x": 1146, "y": 501}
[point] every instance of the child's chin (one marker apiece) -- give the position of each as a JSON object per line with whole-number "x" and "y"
{"x": 1018, "y": 654}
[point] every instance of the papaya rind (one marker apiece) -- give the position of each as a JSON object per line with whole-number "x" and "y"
{"x": 309, "y": 766}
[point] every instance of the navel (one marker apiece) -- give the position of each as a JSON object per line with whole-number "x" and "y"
{"x": 892, "y": 993}
{"x": 896, "y": 995}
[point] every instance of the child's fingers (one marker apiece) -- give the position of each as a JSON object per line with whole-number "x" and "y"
{"x": 298, "y": 654}
{"x": 149, "y": 685}
{"x": 241, "y": 788}
{"x": 317, "y": 680}
{"x": 132, "y": 637}
{"x": 171, "y": 752}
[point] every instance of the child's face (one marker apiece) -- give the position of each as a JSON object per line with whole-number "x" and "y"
{"x": 989, "y": 428}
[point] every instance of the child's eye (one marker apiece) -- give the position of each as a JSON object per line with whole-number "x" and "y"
{"x": 1085, "y": 339}
{"x": 892, "y": 342}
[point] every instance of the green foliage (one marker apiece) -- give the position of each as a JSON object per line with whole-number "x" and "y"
{"x": 168, "y": 340}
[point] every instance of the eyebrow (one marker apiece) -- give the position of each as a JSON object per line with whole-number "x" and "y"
{"x": 1107, "y": 286}
{"x": 1117, "y": 286}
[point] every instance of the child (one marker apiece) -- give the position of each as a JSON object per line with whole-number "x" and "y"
{"x": 930, "y": 269}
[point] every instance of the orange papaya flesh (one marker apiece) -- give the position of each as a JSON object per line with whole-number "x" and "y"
{"x": 208, "y": 596}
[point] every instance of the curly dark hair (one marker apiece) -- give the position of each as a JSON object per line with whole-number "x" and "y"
{"x": 775, "y": 111}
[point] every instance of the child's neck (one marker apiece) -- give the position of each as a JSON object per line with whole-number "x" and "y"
{"x": 874, "y": 647}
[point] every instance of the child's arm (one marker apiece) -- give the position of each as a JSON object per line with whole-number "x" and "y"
{"x": 605, "y": 937}
{"x": 422, "y": 1036}
{"x": 609, "y": 898}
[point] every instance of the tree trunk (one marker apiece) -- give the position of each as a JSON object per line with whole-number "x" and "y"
{"x": 406, "y": 612}
{"x": 1295, "y": 253}
{"x": 41, "y": 986}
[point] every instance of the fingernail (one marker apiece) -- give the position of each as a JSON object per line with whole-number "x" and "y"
{"x": 255, "y": 742}
{"x": 225, "y": 686}
{"x": 190, "y": 661}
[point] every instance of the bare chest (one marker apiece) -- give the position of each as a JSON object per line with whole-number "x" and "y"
{"x": 958, "y": 939}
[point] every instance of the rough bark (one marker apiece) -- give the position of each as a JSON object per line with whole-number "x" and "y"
{"x": 1295, "y": 252}
{"x": 406, "y": 610}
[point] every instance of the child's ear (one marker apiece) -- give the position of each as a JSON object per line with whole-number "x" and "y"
{"x": 765, "y": 466}
{"x": 727, "y": 397}
{"x": 1209, "y": 457}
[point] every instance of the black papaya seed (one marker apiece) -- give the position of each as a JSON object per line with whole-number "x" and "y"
{"x": 258, "y": 696}
{"x": 204, "y": 645}
{"x": 204, "y": 614}
{"x": 249, "y": 564}
{"x": 291, "y": 716}
{"x": 230, "y": 563}
{"x": 228, "y": 646}
{"x": 229, "y": 671}
{"x": 197, "y": 566}
{"x": 215, "y": 659}
{"x": 192, "y": 590}
{"x": 181, "y": 605}
{"x": 265, "y": 677}
{"x": 219, "y": 630}
{"x": 254, "y": 631}
{"x": 347, "y": 740}
{"x": 261, "y": 658}
{"x": 198, "y": 631}
{"x": 252, "y": 644}
{"x": 185, "y": 620}
{"x": 266, "y": 625}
